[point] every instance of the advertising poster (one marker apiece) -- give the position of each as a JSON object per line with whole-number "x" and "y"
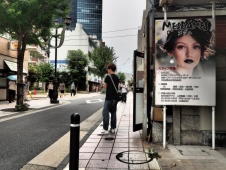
{"x": 185, "y": 65}
{"x": 61, "y": 64}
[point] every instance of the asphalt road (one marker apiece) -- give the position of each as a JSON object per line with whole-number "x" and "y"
{"x": 21, "y": 139}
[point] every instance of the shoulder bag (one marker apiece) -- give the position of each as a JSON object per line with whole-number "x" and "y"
{"x": 119, "y": 94}
{"x": 12, "y": 86}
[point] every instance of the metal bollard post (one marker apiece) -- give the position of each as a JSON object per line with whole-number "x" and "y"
{"x": 74, "y": 141}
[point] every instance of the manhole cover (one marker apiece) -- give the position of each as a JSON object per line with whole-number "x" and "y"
{"x": 109, "y": 138}
{"x": 133, "y": 157}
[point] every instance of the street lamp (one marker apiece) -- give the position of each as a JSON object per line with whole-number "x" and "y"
{"x": 67, "y": 21}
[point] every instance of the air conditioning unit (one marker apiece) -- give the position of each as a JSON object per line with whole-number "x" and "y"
{"x": 165, "y": 2}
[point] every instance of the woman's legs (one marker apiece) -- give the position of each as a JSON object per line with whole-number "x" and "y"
{"x": 124, "y": 97}
{"x": 13, "y": 95}
{"x": 10, "y": 96}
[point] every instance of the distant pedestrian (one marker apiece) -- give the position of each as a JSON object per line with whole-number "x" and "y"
{"x": 90, "y": 87}
{"x": 124, "y": 91}
{"x": 26, "y": 87}
{"x": 94, "y": 88}
{"x": 50, "y": 91}
{"x": 12, "y": 91}
{"x": 62, "y": 89}
{"x": 111, "y": 83}
{"x": 73, "y": 89}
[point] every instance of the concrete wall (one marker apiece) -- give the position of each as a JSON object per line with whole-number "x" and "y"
{"x": 206, "y": 112}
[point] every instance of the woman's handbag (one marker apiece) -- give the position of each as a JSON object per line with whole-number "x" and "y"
{"x": 119, "y": 94}
{"x": 12, "y": 86}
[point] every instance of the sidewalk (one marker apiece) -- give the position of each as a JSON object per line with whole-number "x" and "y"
{"x": 100, "y": 151}
{"x": 39, "y": 101}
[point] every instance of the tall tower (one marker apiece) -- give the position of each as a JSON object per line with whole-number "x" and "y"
{"x": 89, "y": 14}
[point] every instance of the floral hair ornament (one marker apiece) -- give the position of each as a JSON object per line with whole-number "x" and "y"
{"x": 184, "y": 32}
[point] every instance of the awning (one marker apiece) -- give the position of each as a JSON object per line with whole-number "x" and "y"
{"x": 13, "y": 66}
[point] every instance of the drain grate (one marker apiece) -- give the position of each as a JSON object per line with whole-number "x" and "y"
{"x": 133, "y": 157}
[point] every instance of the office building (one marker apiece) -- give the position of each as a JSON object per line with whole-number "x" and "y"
{"x": 89, "y": 14}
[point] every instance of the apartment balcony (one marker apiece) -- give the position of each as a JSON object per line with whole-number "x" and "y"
{"x": 36, "y": 51}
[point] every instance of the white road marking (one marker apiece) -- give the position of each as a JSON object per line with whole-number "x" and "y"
{"x": 94, "y": 101}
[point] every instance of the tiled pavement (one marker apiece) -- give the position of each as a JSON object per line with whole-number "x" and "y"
{"x": 99, "y": 152}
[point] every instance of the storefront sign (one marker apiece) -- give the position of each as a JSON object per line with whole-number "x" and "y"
{"x": 13, "y": 45}
{"x": 61, "y": 64}
{"x": 185, "y": 62}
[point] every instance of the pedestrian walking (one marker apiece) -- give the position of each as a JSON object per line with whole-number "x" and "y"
{"x": 124, "y": 91}
{"x": 73, "y": 89}
{"x": 50, "y": 91}
{"x": 12, "y": 91}
{"x": 90, "y": 87}
{"x": 110, "y": 105}
{"x": 26, "y": 87}
{"x": 62, "y": 89}
{"x": 94, "y": 88}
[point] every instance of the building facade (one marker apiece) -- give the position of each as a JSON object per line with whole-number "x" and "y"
{"x": 77, "y": 39}
{"x": 89, "y": 14}
{"x": 185, "y": 124}
{"x": 8, "y": 61}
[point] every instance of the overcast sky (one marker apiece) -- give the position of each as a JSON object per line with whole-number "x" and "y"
{"x": 126, "y": 16}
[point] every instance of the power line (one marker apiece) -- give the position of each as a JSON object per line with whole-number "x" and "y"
{"x": 120, "y": 30}
{"x": 109, "y": 31}
{"x": 102, "y": 37}
{"x": 121, "y": 36}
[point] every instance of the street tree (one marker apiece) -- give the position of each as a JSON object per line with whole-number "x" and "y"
{"x": 101, "y": 56}
{"x": 27, "y": 21}
{"x": 33, "y": 73}
{"x": 77, "y": 61}
{"x": 45, "y": 72}
{"x": 121, "y": 76}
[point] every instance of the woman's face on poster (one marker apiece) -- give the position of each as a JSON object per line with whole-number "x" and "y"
{"x": 187, "y": 52}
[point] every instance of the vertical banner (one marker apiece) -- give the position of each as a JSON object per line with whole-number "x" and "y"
{"x": 185, "y": 64}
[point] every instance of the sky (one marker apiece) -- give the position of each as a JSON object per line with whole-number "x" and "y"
{"x": 121, "y": 20}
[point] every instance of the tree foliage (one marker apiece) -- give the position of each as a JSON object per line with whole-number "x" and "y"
{"x": 45, "y": 72}
{"x": 33, "y": 73}
{"x": 27, "y": 21}
{"x": 121, "y": 76}
{"x": 77, "y": 61}
{"x": 101, "y": 57}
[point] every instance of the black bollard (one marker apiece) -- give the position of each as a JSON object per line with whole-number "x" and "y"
{"x": 74, "y": 142}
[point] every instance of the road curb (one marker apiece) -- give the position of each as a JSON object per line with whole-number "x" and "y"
{"x": 50, "y": 160}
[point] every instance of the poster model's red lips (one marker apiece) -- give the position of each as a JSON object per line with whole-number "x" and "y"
{"x": 188, "y": 61}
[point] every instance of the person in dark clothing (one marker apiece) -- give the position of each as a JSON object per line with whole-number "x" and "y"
{"x": 50, "y": 90}
{"x": 12, "y": 91}
{"x": 111, "y": 83}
